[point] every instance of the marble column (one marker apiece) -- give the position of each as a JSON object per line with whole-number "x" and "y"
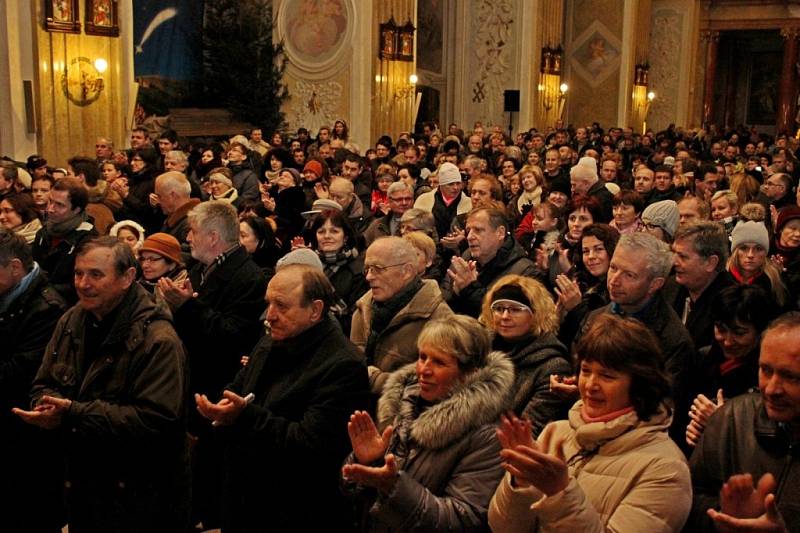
{"x": 787, "y": 88}
{"x": 712, "y": 47}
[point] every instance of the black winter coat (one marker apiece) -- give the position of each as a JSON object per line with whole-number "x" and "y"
{"x": 223, "y": 323}
{"x": 59, "y": 260}
{"x": 286, "y": 448}
{"x": 510, "y": 259}
{"x": 28, "y": 463}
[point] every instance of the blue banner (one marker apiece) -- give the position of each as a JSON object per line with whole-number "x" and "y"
{"x": 167, "y": 39}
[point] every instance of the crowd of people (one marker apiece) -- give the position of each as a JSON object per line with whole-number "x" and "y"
{"x": 577, "y": 328}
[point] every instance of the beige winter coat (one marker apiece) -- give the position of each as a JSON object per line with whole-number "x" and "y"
{"x": 397, "y": 344}
{"x": 637, "y": 480}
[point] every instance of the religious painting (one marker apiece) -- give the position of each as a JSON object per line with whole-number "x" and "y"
{"x": 101, "y": 18}
{"x": 315, "y": 29}
{"x": 61, "y": 15}
{"x": 762, "y": 91}
{"x": 430, "y": 16}
{"x": 596, "y": 54}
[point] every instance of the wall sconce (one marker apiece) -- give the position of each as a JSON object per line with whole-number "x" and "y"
{"x": 388, "y": 40}
{"x": 407, "y": 90}
{"x": 551, "y": 60}
{"x": 551, "y": 98}
{"x": 650, "y": 97}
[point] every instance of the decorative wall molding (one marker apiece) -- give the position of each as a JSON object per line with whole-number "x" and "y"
{"x": 491, "y": 44}
{"x": 315, "y": 104}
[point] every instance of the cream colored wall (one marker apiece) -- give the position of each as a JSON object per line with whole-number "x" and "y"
{"x": 334, "y": 85}
{"x": 16, "y": 65}
{"x": 66, "y": 129}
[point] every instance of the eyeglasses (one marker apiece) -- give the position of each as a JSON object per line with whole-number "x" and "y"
{"x": 499, "y": 309}
{"x": 773, "y": 184}
{"x": 401, "y": 199}
{"x": 379, "y": 269}
{"x": 155, "y": 259}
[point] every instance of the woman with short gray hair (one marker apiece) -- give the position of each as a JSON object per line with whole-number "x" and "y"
{"x": 436, "y": 439}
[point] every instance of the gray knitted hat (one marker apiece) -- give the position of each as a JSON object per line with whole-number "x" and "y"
{"x": 750, "y": 231}
{"x": 663, "y": 214}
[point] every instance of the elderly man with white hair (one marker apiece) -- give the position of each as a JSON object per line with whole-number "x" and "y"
{"x": 584, "y": 180}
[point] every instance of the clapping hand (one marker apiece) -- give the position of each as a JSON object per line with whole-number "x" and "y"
{"x": 462, "y": 273}
{"x": 176, "y": 294}
{"x": 368, "y": 444}
{"x": 225, "y": 411}
{"x": 47, "y": 414}
{"x": 744, "y": 508}
{"x": 525, "y": 460}
{"x": 702, "y": 409}
{"x": 568, "y": 292}
{"x": 564, "y": 386}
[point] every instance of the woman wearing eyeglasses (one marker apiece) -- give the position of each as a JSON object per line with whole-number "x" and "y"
{"x": 160, "y": 256}
{"x": 523, "y": 317}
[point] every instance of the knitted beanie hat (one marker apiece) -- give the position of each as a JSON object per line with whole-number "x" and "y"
{"x": 663, "y": 214}
{"x": 785, "y": 215}
{"x": 301, "y": 256}
{"x": 164, "y": 245}
{"x": 585, "y": 169}
{"x": 448, "y": 173}
{"x": 315, "y": 167}
{"x": 750, "y": 232}
{"x": 220, "y": 178}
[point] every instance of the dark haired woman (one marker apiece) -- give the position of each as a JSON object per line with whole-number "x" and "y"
{"x": 257, "y": 237}
{"x": 336, "y": 243}
{"x": 729, "y": 367}
{"x": 136, "y": 190}
{"x": 611, "y": 466}
{"x": 18, "y": 214}
{"x": 586, "y": 290}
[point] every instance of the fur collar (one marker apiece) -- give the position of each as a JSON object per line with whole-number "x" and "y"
{"x": 479, "y": 400}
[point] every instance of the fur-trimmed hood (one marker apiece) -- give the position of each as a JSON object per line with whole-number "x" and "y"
{"x": 479, "y": 400}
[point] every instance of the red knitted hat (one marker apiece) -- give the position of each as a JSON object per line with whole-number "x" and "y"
{"x": 315, "y": 167}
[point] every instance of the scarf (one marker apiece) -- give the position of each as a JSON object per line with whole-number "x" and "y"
{"x": 332, "y": 262}
{"x": 61, "y": 229}
{"x": 384, "y": 312}
{"x": 29, "y": 230}
{"x": 527, "y": 200}
{"x": 22, "y": 286}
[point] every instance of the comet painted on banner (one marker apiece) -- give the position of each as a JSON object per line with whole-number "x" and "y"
{"x": 162, "y": 17}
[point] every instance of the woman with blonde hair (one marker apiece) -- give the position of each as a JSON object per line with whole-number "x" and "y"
{"x": 745, "y": 186}
{"x": 530, "y": 193}
{"x": 432, "y": 460}
{"x": 521, "y": 314}
{"x": 749, "y": 264}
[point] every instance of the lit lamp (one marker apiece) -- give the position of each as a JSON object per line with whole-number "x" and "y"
{"x": 562, "y": 98}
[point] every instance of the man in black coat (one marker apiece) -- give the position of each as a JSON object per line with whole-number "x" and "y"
{"x": 492, "y": 254}
{"x": 285, "y": 416}
{"x": 29, "y": 310}
{"x": 217, "y": 315}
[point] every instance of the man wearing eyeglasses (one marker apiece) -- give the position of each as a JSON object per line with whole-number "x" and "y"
{"x": 778, "y": 189}
{"x": 401, "y": 199}
{"x": 390, "y": 316}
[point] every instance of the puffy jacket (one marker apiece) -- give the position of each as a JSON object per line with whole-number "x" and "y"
{"x": 396, "y": 345}
{"x": 447, "y": 453}
{"x": 626, "y": 475}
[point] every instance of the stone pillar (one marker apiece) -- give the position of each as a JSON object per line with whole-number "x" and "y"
{"x": 788, "y": 82}
{"x": 712, "y": 45}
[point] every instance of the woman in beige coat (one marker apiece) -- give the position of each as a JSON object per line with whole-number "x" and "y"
{"x": 611, "y": 466}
